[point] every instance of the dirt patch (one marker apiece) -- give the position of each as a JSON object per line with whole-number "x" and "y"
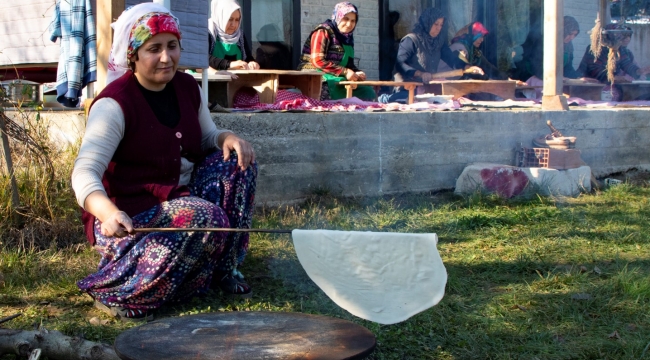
{"x": 633, "y": 177}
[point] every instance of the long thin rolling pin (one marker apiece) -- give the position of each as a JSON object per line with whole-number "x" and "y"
{"x": 275, "y": 231}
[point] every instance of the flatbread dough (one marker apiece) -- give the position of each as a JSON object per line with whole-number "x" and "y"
{"x": 381, "y": 277}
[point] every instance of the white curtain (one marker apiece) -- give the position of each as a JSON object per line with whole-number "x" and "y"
{"x": 267, "y": 20}
{"x": 515, "y": 15}
{"x": 460, "y": 14}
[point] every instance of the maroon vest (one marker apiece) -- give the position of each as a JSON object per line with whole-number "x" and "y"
{"x": 145, "y": 168}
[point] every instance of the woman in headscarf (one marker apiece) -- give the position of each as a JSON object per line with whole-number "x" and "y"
{"x": 330, "y": 49}
{"x": 531, "y": 68}
{"x": 466, "y": 43}
{"x": 571, "y": 30}
{"x": 151, "y": 157}
{"x": 613, "y": 60}
{"x": 228, "y": 46}
{"x": 420, "y": 53}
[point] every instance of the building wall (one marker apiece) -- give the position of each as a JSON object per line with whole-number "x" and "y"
{"x": 585, "y": 11}
{"x": 366, "y": 35}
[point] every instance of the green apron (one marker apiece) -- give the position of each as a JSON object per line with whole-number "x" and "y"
{"x": 222, "y": 50}
{"x": 338, "y": 91}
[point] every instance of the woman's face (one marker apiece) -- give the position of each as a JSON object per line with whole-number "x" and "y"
{"x": 233, "y": 22}
{"x": 478, "y": 42}
{"x": 157, "y": 61}
{"x": 626, "y": 40}
{"x": 347, "y": 23}
{"x": 570, "y": 37}
{"x": 436, "y": 27}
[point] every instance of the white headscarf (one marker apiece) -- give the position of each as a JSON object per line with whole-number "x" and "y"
{"x": 117, "y": 61}
{"x": 221, "y": 10}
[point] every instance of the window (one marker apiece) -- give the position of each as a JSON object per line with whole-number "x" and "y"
{"x": 272, "y": 28}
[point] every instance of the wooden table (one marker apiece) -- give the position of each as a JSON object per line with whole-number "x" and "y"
{"x": 217, "y": 87}
{"x": 457, "y": 88}
{"x": 582, "y": 89}
{"x": 634, "y": 90}
{"x": 267, "y": 82}
{"x": 246, "y": 335}
{"x": 408, "y": 85}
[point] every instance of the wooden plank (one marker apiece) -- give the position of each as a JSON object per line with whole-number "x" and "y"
{"x": 246, "y": 335}
{"x": 381, "y": 83}
{"x": 458, "y": 88}
{"x": 107, "y": 12}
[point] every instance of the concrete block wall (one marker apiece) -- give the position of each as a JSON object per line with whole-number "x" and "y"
{"x": 585, "y": 11}
{"x": 370, "y": 154}
{"x": 366, "y": 35}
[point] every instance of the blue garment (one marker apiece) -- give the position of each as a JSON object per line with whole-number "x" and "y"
{"x": 73, "y": 22}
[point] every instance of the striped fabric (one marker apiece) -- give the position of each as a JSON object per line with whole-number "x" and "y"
{"x": 74, "y": 24}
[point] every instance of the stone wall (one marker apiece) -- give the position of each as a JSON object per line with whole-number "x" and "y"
{"x": 366, "y": 35}
{"x": 368, "y": 154}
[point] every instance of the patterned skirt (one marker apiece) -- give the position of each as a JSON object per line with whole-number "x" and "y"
{"x": 145, "y": 270}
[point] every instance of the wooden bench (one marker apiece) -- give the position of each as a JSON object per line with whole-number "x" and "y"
{"x": 632, "y": 91}
{"x": 217, "y": 87}
{"x": 457, "y": 88}
{"x": 408, "y": 85}
{"x": 582, "y": 89}
{"x": 267, "y": 82}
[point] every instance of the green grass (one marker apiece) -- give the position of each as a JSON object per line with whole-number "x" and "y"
{"x": 541, "y": 278}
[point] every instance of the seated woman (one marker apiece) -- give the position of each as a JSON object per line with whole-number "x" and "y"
{"x": 613, "y": 61}
{"x": 272, "y": 52}
{"x": 420, "y": 53}
{"x": 571, "y": 30}
{"x": 466, "y": 43}
{"x": 531, "y": 68}
{"x": 597, "y": 67}
{"x": 228, "y": 46}
{"x": 330, "y": 49}
{"x": 151, "y": 157}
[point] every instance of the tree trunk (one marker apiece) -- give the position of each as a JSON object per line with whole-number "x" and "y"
{"x": 54, "y": 345}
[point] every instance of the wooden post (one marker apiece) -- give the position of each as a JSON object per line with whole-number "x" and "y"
{"x": 15, "y": 199}
{"x": 553, "y": 56}
{"x": 107, "y": 12}
{"x": 603, "y": 12}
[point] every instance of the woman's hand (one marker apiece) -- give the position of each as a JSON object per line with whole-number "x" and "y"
{"x": 253, "y": 66}
{"x": 361, "y": 75}
{"x": 474, "y": 70}
{"x": 519, "y": 82}
{"x": 426, "y": 77}
{"x": 245, "y": 153}
{"x": 238, "y": 65}
{"x": 644, "y": 71}
{"x": 118, "y": 224}
{"x": 351, "y": 75}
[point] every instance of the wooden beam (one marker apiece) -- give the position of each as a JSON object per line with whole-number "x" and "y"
{"x": 107, "y": 12}
{"x": 553, "y": 56}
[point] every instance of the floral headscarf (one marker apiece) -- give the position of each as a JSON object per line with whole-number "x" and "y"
{"x": 133, "y": 28}
{"x": 467, "y": 36}
{"x": 340, "y": 10}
